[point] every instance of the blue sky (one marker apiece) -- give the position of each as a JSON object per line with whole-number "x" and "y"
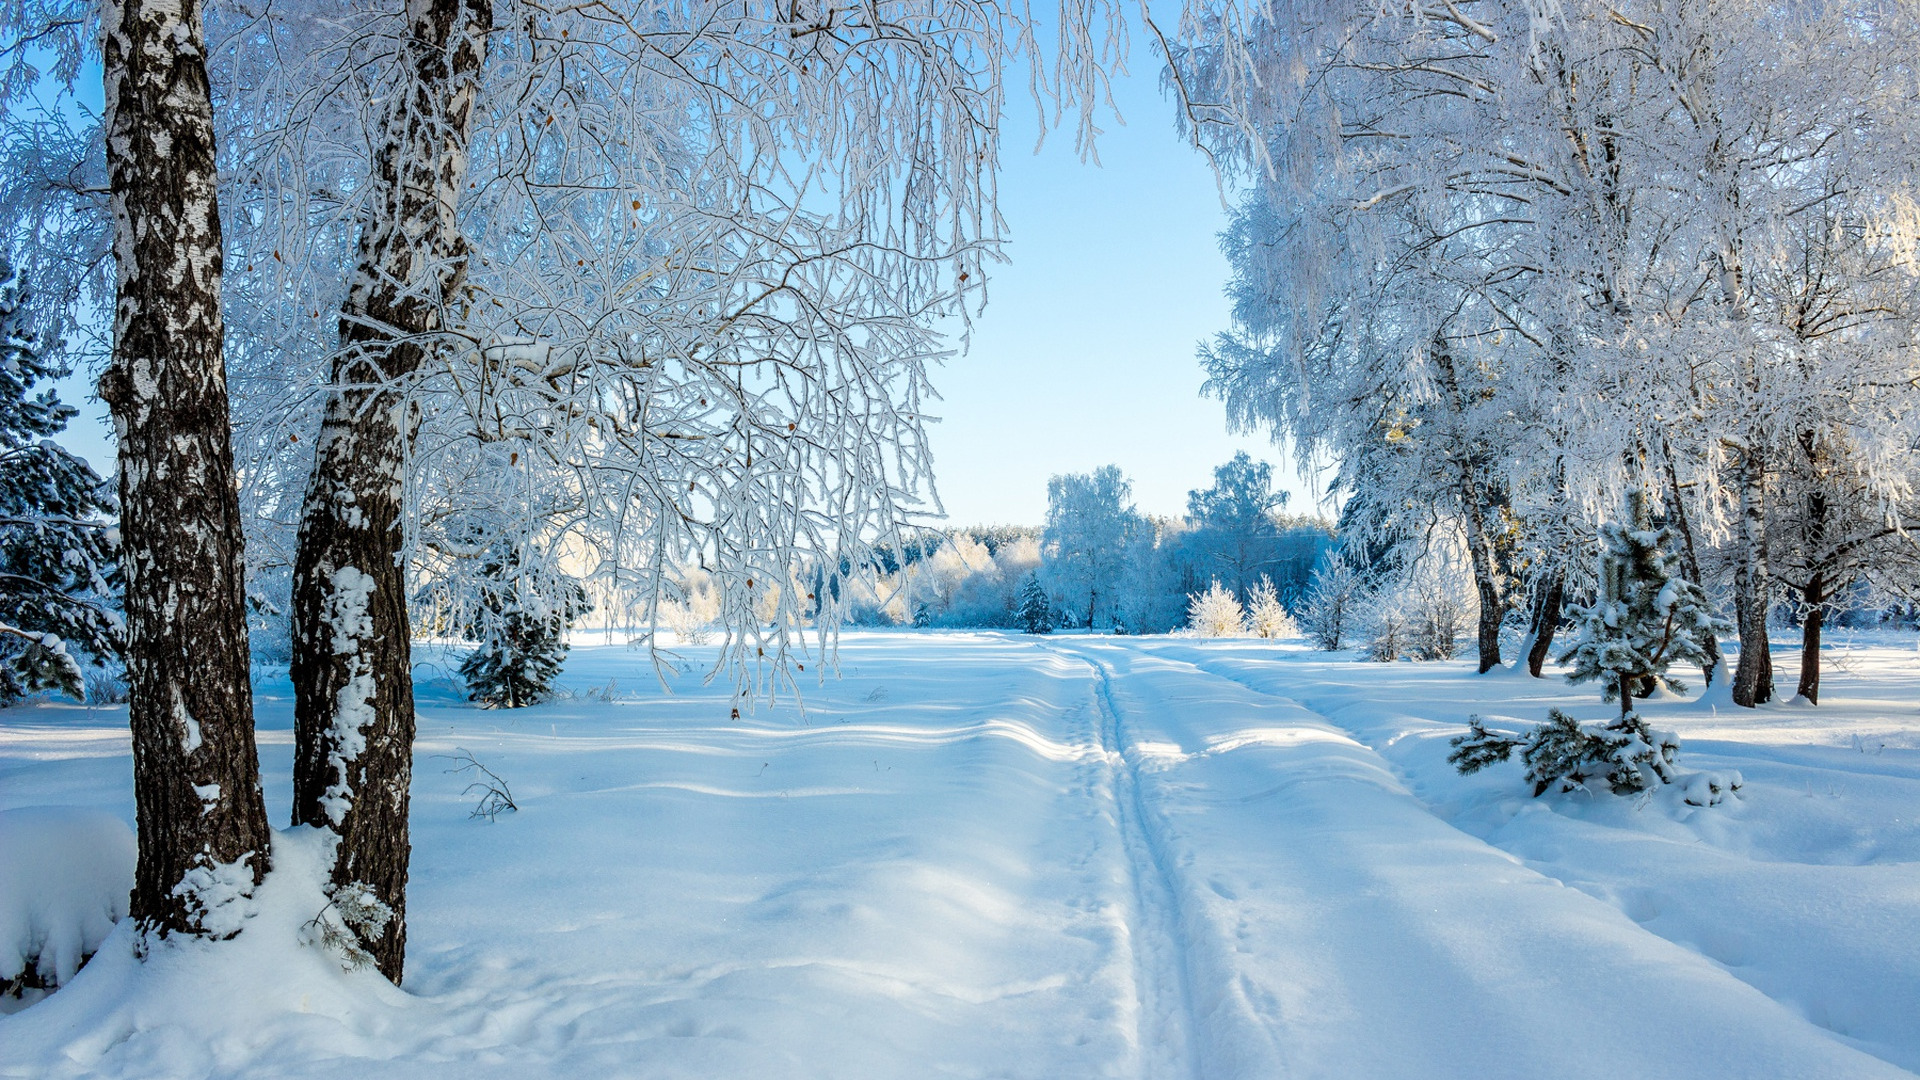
{"x": 1085, "y": 355}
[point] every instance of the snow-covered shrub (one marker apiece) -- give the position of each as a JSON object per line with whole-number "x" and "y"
{"x": 107, "y": 684}
{"x": 1334, "y": 597}
{"x": 65, "y": 874}
{"x": 1215, "y": 613}
{"x": 1266, "y": 616}
{"x": 1036, "y": 609}
{"x": 1439, "y": 616}
{"x": 520, "y": 621}
{"x": 1564, "y": 754}
{"x": 1389, "y": 625}
{"x": 692, "y": 605}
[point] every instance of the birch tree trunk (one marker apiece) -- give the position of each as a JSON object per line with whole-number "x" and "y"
{"x": 1486, "y": 580}
{"x": 1753, "y": 676}
{"x": 203, "y": 825}
{"x": 352, "y": 658}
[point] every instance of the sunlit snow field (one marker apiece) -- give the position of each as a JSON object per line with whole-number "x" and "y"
{"x": 989, "y": 855}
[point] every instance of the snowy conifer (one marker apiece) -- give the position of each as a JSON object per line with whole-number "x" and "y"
{"x": 1035, "y": 613}
{"x": 1215, "y": 613}
{"x": 1266, "y": 616}
{"x": 1564, "y": 754}
{"x": 57, "y": 548}
{"x": 521, "y": 626}
{"x": 1644, "y": 617}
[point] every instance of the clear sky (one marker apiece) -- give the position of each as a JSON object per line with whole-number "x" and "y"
{"x": 1085, "y": 354}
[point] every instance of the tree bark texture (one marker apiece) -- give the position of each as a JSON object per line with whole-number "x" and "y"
{"x": 352, "y": 659}
{"x": 1753, "y": 677}
{"x": 1486, "y": 581}
{"x": 1814, "y": 595}
{"x": 204, "y": 838}
{"x": 1546, "y": 620}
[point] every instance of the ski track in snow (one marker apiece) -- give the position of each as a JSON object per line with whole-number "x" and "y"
{"x": 987, "y": 855}
{"x": 1155, "y": 934}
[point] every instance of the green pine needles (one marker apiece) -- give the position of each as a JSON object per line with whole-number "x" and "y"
{"x": 1644, "y": 617}
{"x": 59, "y": 576}
{"x": 521, "y": 626}
{"x": 1035, "y": 613}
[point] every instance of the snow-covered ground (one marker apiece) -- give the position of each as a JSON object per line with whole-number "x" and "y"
{"x": 988, "y": 855}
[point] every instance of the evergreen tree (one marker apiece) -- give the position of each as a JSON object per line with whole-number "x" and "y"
{"x": 1644, "y": 616}
{"x": 521, "y": 625}
{"x": 57, "y": 545}
{"x": 1035, "y": 613}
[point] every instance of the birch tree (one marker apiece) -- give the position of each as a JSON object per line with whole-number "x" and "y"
{"x": 1638, "y": 239}
{"x": 1091, "y": 524}
{"x": 202, "y": 823}
{"x": 678, "y": 309}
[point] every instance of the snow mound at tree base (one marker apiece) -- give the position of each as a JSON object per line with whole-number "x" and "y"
{"x": 65, "y": 873}
{"x": 147, "y": 1006}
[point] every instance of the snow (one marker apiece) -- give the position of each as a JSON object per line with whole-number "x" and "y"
{"x": 64, "y": 877}
{"x": 980, "y": 854}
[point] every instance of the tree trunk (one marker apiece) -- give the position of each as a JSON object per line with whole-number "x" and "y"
{"x": 196, "y": 776}
{"x": 1814, "y": 597}
{"x": 352, "y": 658}
{"x": 1486, "y": 578}
{"x": 1493, "y": 606}
{"x": 1753, "y": 677}
{"x": 1545, "y": 621}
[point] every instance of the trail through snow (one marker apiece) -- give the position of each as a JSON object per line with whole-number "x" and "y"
{"x": 984, "y": 855}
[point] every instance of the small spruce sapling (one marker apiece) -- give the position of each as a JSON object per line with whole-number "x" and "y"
{"x": 1643, "y": 618}
{"x": 1035, "y": 613}
{"x": 58, "y": 572}
{"x": 521, "y": 622}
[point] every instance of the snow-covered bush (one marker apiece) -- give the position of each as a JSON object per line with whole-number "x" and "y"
{"x": 65, "y": 874}
{"x": 1439, "y": 617}
{"x": 1389, "y": 623}
{"x": 1215, "y": 613}
{"x": 1334, "y": 596}
{"x": 1266, "y": 616}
